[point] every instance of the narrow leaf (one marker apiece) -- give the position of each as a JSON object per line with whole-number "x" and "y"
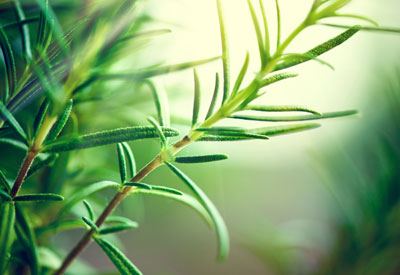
{"x": 322, "y": 48}
{"x": 116, "y": 228}
{"x": 138, "y": 185}
{"x": 220, "y": 227}
{"x": 281, "y": 109}
{"x": 40, "y": 116}
{"x": 214, "y": 99}
{"x": 39, "y": 197}
{"x": 260, "y": 39}
{"x": 278, "y": 17}
{"x": 59, "y": 125}
{"x": 24, "y": 30}
{"x": 15, "y": 143}
{"x": 199, "y": 159}
{"x": 119, "y": 219}
{"x": 225, "y": 52}
{"x": 266, "y": 30}
{"x": 6, "y": 115}
{"x": 9, "y": 62}
{"x": 232, "y": 132}
{"x": 275, "y": 78}
{"x": 167, "y": 189}
{"x": 159, "y": 131}
{"x": 83, "y": 193}
{"x": 285, "y": 129}
{"x": 197, "y": 98}
{"x": 360, "y": 17}
{"x": 365, "y": 28}
{"x": 106, "y": 137}
{"x": 91, "y": 224}
{"x": 295, "y": 118}
{"x": 131, "y": 159}
{"x": 89, "y": 209}
{"x": 121, "y": 162}
{"x": 241, "y": 75}
{"x": 161, "y": 101}
{"x": 21, "y": 22}
{"x": 301, "y": 58}
{"x": 5, "y": 196}
{"x": 7, "y": 220}
{"x": 121, "y": 262}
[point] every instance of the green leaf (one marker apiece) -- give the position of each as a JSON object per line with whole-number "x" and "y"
{"x": 241, "y": 75}
{"x": 121, "y": 162}
{"x": 89, "y": 209}
{"x": 40, "y": 117}
{"x": 285, "y": 129}
{"x": 138, "y": 185}
{"x": 322, "y": 48}
{"x": 301, "y": 58}
{"x": 295, "y": 118}
{"x": 60, "y": 124}
{"x": 131, "y": 159}
{"x": 225, "y": 52}
{"x": 40, "y": 163}
{"x": 199, "y": 159}
{"x": 266, "y": 30}
{"x": 48, "y": 258}
{"x": 6, "y": 115}
{"x": 281, "y": 109}
{"x": 7, "y": 220}
{"x": 166, "y": 189}
{"x": 231, "y": 132}
{"x": 278, "y": 17}
{"x": 27, "y": 238}
{"x": 360, "y": 17}
{"x": 121, "y": 262}
{"x": 91, "y": 224}
{"x": 21, "y": 22}
{"x": 117, "y": 228}
{"x": 39, "y": 197}
{"x": 220, "y": 227}
{"x": 365, "y": 28}
{"x": 121, "y": 220}
{"x": 9, "y": 61}
{"x": 275, "y": 78}
{"x": 197, "y": 98}
{"x": 59, "y": 226}
{"x": 5, "y": 196}
{"x": 223, "y": 138}
{"x": 260, "y": 39}
{"x": 161, "y": 101}
{"x": 15, "y": 143}
{"x": 106, "y": 137}
{"x": 214, "y": 98}
{"x": 159, "y": 131}
{"x": 24, "y": 29}
{"x": 85, "y": 192}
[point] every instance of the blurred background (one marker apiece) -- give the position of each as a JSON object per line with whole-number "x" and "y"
{"x": 325, "y": 201}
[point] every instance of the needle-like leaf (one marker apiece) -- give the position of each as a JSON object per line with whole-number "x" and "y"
{"x": 60, "y": 124}
{"x": 220, "y": 227}
{"x": 197, "y": 98}
{"x": 241, "y": 75}
{"x": 214, "y": 99}
{"x": 200, "y": 159}
{"x": 121, "y": 262}
{"x": 106, "y": 137}
{"x": 266, "y": 31}
{"x": 40, "y": 116}
{"x": 131, "y": 159}
{"x": 7, "y": 220}
{"x": 161, "y": 101}
{"x": 9, "y": 61}
{"x": 138, "y": 185}
{"x": 281, "y": 109}
{"x": 275, "y": 78}
{"x": 167, "y": 190}
{"x": 365, "y": 28}
{"x": 91, "y": 224}
{"x": 24, "y": 29}
{"x": 39, "y": 197}
{"x": 6, "y": 115}
{"x": 121, "y": 162}
{"x": 160, "y": 133}
{"x": 231, "y": 132}
{"x": 117, "y": 228}
{"x": 260, "y": 39}
{"x": 278, "y": 18}
{"x": 225, "y": 52}
{"x": 89, "y": 209}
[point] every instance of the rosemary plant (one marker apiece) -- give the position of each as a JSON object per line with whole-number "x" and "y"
{"x": 60, "y": 69}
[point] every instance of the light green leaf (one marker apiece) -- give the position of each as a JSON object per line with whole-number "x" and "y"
{"x": 285, "y": 129}
{"x": 60, "y": 124}
{"x": 131, "y": 159}
{"x": 161, "y": 101}
{"x": 365, "y": 28}
{"x": 281, "y": 109}
{"x": 89, "y": 209}
{"x": 322, "y": 48}
{"x": 275, "y": 78}
{"x": 39, "y": 197}
{"x": 105, "y": 137}
{"x": 231, "y": 132}
{"x": 278, "y": 18}
{"x": 197, "y": 98}
{"x": 200, "y": 159}
{"x": 241, "y": 75}
{"x": 6, "y": 115}
{"x": 159, "y": 131}
{"x": 225, "y": 52}
{"x": 260, "y": 39}
{"x": 214, "y": 99}
{"x": 121, "y": 262}
{"x": 40, "y": 117}
{"x": 167, "y": 190}
{"x": 220, "y": 227}
{"x": 138, "y": 185}
{"x": 266, "y": 30}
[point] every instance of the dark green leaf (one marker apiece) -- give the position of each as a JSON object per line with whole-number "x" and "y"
{"x": 21, "y": 22}
{"x": 40, "y": 116}
{"x": 7, "y": 219}
{"x": 24, "y": 29}
{"x": 121, "y": 262}
{"x": 138, "y": 185}
{"x": 9, "y": 62}
{"x": 295, "y": 118}
{"x": 257, "y": 29}
{"x": 39, "y": 197}
{"x": 91, "y": 224}
{"x": 220, "y": 227}
{"x": 198, "y": 159}
{"x": 106, "y": 137}
{"x": 275, "y": 78}
{"x": 117, "y": 228}
{"x": 197, "y": 98}
{"x": 214, "y": 98}
{"x": 15, "y": 143}
{"x": 121, "y": 162}
{"x": 161, "y": 101}
{"x": 281, "y": 109}
{"x": 5, "y": 196}
{"x": 241, "y": 75}
{"x": 85, "y": 192}
{"x": 231, "y": 132}
{"x": 60, "y": 124}
{"x": 225, "y": 52}
{"x": 131, "y": 159}
{"x": 166, "y": 189}
{"x": 322, "y": 48}
{"x": 159, "y": 131}
{"x": 89, "y": 209}
{"x": 6, "y": 115}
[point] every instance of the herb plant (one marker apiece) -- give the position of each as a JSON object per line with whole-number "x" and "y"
{"x": 57, "y": 70}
